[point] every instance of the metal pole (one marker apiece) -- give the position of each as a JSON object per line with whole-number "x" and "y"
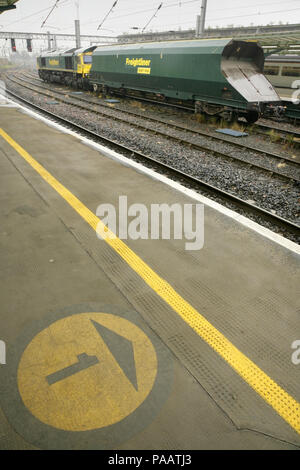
{"x": 77, "y": 26}
{"x": 202, "y": 19}
{"x": 77, "y": 9}
{"x": 77, "y": 33}
{"x": 197, "y": 26}
{"x": 49, "y": 40}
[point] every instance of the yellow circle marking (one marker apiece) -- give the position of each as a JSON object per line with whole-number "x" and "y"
{"x": 96, "y": 396}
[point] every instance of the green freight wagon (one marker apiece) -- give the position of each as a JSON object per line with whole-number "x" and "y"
{"x": 222, "y": 77}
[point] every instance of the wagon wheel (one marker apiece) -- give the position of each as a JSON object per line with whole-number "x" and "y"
{"x": 252, "y": 117}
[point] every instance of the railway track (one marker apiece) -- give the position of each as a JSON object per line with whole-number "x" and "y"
{"x": 284, "y": 135}
{"x": 260, "y": 128}
{"x": 64, "y": 97}
{"x": 265, "y": 129}
{"x": 265, "y": 217}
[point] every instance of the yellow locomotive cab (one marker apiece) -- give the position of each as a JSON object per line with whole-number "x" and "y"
{"x": 84, "y": 63}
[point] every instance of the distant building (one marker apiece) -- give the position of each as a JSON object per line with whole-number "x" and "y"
{"x": 285, "y": 29}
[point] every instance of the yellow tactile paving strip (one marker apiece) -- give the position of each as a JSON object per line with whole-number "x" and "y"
{"x": 284, "y": 404}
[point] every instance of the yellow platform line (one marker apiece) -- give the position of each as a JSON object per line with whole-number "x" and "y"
{"x": 283, "y": 403}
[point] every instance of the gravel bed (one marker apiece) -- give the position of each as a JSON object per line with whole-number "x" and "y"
{"x": 181, "y": 116}
{"x": 247, "y": 155}
{"x": 268, "y": 193}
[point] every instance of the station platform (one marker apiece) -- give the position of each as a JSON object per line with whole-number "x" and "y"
{"x": 135, "y": 344}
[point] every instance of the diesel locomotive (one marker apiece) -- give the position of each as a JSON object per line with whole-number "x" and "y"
{"x": 71, "y": 67}
{"x": 217, "y": 77}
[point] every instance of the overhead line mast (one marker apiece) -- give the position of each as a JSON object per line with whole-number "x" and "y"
{"x": 77, "y": 26}
{"x": 200, "y": 26}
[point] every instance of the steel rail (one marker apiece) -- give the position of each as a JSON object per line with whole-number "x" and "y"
{"x": 180, "y": 140}
{"x": 247, "y": 207}
{"x": 257, "y": 126}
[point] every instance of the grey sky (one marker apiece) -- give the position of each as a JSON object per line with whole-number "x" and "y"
{"x": 135, "y": 13}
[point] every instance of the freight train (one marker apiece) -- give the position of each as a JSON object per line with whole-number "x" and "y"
{"x": 217, "y": 77}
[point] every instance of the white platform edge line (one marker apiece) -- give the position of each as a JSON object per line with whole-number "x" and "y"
{"x": 263, "y": 231}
